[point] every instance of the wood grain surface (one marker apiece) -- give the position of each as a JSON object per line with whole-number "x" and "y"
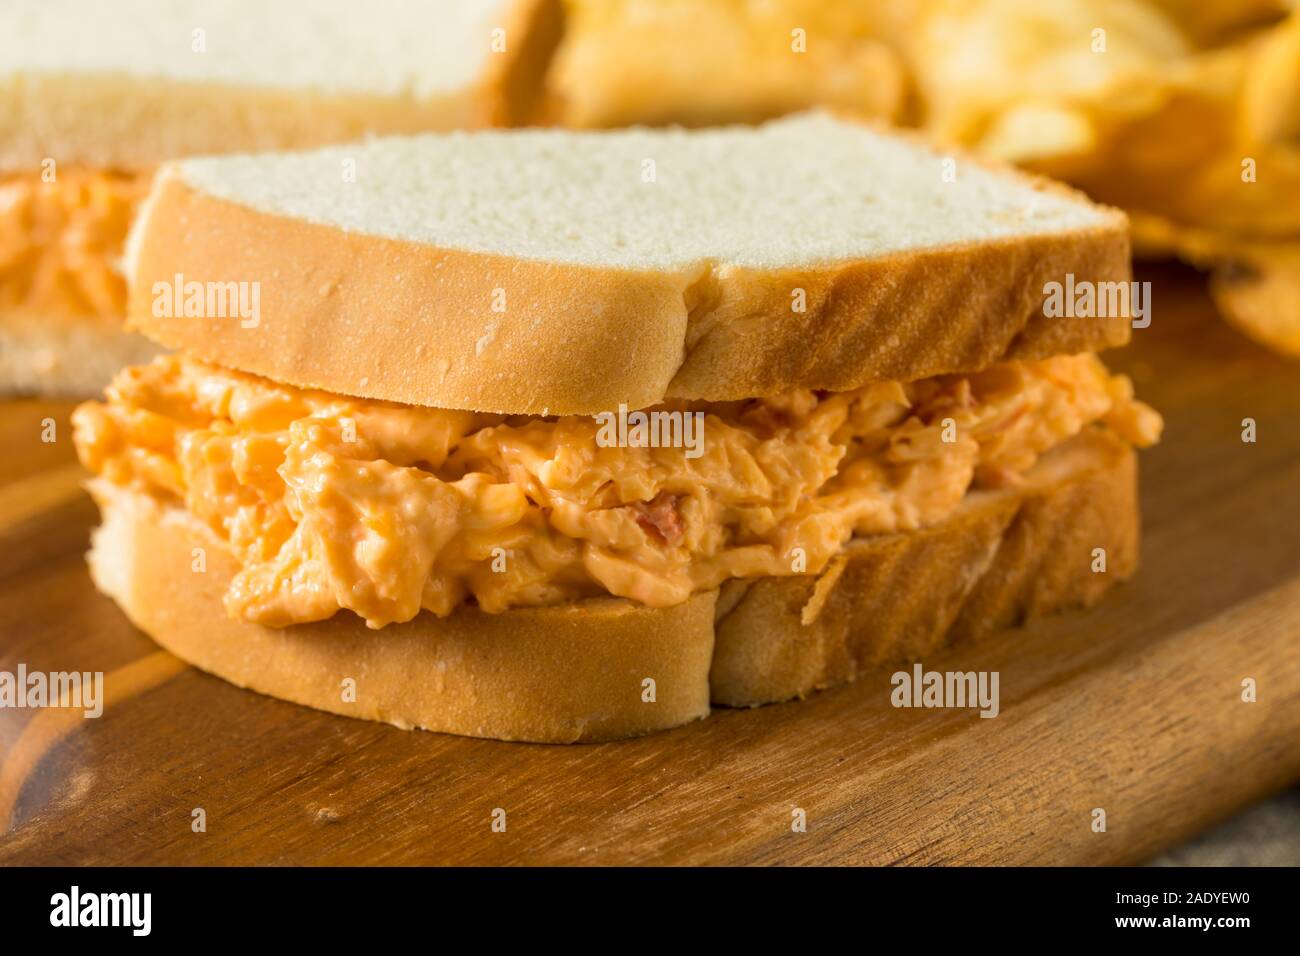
{"x": 1134, "y": 707}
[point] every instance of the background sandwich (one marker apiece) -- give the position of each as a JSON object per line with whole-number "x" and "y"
{"x": 392, "y": 477}
{"x": 93, "y": 96}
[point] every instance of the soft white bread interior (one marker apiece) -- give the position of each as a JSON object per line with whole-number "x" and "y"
{"x": 554, "y": 272}
{"x": 130, "y": 83}
{"x": 68, "y": 357}
{"x": 580, "y": 671}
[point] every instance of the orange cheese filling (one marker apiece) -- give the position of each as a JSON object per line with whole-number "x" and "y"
{"x": 332, "y": 502}
{"x": 60, "y": 241}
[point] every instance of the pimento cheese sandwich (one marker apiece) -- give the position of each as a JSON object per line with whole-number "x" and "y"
{"x": 556, "y": 436}
{"x": 95, "y": 95}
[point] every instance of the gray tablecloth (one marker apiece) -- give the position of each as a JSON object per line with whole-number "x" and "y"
{"x": 1266, "y": 835}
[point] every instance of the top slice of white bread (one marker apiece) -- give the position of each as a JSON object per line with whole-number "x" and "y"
{"x": 130, "y": 83}
{"x": 532, "y": 271}
{"x": 800, "y": 191}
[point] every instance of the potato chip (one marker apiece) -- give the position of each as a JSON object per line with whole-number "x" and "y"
{"x": 1259, "y": 293}
{"x": 1270, "y": 106}
{"x": 1214, "y": 22}
{"x": 1255, "y": 285}
{"x": 701, "y": 62}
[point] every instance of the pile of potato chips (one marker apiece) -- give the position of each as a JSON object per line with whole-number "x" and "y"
{"x": 1186, "y": 113}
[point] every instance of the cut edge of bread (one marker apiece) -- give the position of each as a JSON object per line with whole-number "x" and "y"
{"x": 583, "y": 339}
{"x": 606, "y": 669}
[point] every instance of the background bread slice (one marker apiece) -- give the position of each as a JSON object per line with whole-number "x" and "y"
{"x": 121, "y": 85}
{"x": 576, "y": 672}
{"x": 564, "y": 273}
{"x": 66, "y": 356}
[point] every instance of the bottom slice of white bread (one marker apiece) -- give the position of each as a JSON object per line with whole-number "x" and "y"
{"x": 64, "y": 356}
{"x": 578, "y": 672}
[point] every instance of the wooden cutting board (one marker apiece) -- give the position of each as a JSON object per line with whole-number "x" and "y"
{"x": 1134, "y": 707}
